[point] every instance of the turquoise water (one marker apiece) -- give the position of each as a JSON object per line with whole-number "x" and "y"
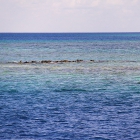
{"x": 97, "y": 100}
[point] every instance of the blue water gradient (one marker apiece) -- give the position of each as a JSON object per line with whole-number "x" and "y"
{"x": 74, "y": 101}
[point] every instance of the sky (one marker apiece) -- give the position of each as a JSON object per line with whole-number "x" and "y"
{"x": 69, "y": 15}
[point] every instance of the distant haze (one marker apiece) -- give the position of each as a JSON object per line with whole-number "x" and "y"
{"x": 69, "y": 15}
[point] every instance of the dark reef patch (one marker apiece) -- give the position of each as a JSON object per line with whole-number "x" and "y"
{"x": 51, "y": 61}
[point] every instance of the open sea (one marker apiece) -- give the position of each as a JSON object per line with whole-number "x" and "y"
{"x": 76, "y": 100}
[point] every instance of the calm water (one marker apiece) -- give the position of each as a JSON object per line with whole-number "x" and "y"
{"x": 70, "y": 101}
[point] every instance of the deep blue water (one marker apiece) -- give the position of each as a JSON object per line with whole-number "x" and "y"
{"x": 70, "y": 101}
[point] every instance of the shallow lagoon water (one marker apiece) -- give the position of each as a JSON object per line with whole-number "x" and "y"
{"x": 88, "y": 100}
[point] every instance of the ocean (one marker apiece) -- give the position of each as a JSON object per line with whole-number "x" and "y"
{"x": 70, "y": 86}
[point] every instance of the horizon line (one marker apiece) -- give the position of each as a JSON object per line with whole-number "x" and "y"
{"x": 64, "y": 32}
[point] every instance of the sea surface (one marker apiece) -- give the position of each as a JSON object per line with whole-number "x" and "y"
{"x": 86, "y": 100}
